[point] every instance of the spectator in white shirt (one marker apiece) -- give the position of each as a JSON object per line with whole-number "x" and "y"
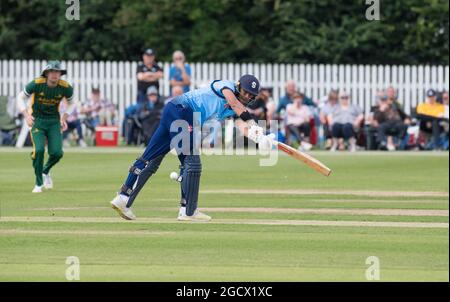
{"x": 298, "y": 117}
{"x": 327, "y": 107}
{"x": 345, "y": 120}
{"x": 99, "y": 111}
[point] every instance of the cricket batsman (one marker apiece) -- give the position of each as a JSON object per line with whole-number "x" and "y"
{"x": 222, "y": 99}
{"x": 44, "y": 119}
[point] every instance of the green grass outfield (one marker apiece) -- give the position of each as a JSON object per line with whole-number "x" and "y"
{"x": 280, "y": 223}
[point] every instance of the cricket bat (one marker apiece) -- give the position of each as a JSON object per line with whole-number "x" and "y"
{"x": 301, "y": 156}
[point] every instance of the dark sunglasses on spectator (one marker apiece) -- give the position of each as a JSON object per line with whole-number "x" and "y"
{"x": 344, "y": 97}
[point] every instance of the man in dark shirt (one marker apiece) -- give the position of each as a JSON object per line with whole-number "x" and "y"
{"x": 148, "y": 74}
{"x": 149, "y": 115}
{"x": 389, "y": 119}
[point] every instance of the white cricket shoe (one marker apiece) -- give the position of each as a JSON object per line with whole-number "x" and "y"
{"x": 37, "y": 189}
{"x": 198, "y": 216}
{"x": 48, "y": 182}
{"x": 119, "y": 203}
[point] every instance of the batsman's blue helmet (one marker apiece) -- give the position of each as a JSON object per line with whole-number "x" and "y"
{"x": 249, "y": 83}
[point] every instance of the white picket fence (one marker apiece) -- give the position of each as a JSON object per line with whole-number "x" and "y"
{"x": 117, "y": 80}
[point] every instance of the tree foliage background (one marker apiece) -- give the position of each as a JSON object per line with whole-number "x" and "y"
{"x": 312, "y": 31}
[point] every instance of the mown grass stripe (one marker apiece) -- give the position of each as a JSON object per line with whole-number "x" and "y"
{"x": 236, "y": 221}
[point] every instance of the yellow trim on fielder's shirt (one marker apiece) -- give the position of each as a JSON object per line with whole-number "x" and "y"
{"x": 40, "y": 80}
{"x": 63, "y": 83}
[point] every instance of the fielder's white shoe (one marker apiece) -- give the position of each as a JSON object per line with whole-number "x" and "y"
{"x": 119, "y": 203}
{"x": 48, "y": 182}
{"x": 37, "y": 189}
{"x": 198, "y": 216}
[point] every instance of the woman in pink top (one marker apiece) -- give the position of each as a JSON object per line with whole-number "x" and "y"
{"x": 297, "y": 121}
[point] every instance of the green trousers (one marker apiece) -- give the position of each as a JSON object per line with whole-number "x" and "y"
{"x": 45, "y": 130}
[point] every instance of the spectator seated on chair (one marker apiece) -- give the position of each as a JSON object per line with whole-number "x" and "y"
{"x": 345, "y": 120}
{"x": 431, "y": 114}
{"x": 331, "y": 102}
{"x": 389, "y": 125}
{"x": 280, "y": 114}
{"x": 298, "y": 118}
{"x": 372, "y": 124}
{"x": 139, "y": 123}
{"x": 149, "y": 115}
{"x": 73, "y": 123}
{"x": 9, "y": 125}
{"x": 98, "y": 111}
{"x": 392, "y": 98}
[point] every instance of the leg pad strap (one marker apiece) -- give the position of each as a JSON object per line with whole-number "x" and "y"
{"x": 191, "y": 182}
{"x": 150, "y": 169}
{"x": 126, "y": 190}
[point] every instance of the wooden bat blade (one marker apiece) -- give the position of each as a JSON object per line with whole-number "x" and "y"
{"x": 303, "y": 157}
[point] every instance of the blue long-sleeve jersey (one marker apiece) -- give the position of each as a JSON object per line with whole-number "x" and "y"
{"x": 210, "y": 101}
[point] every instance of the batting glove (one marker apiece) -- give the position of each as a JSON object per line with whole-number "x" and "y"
{"x": 255, "y": 133}
{"x": 266, "y": 142}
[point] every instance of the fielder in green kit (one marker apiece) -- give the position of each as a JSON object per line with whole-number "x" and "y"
{"x": 43, "y": 117}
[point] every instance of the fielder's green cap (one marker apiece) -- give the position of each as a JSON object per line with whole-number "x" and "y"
{"x": 53, "y": 65}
